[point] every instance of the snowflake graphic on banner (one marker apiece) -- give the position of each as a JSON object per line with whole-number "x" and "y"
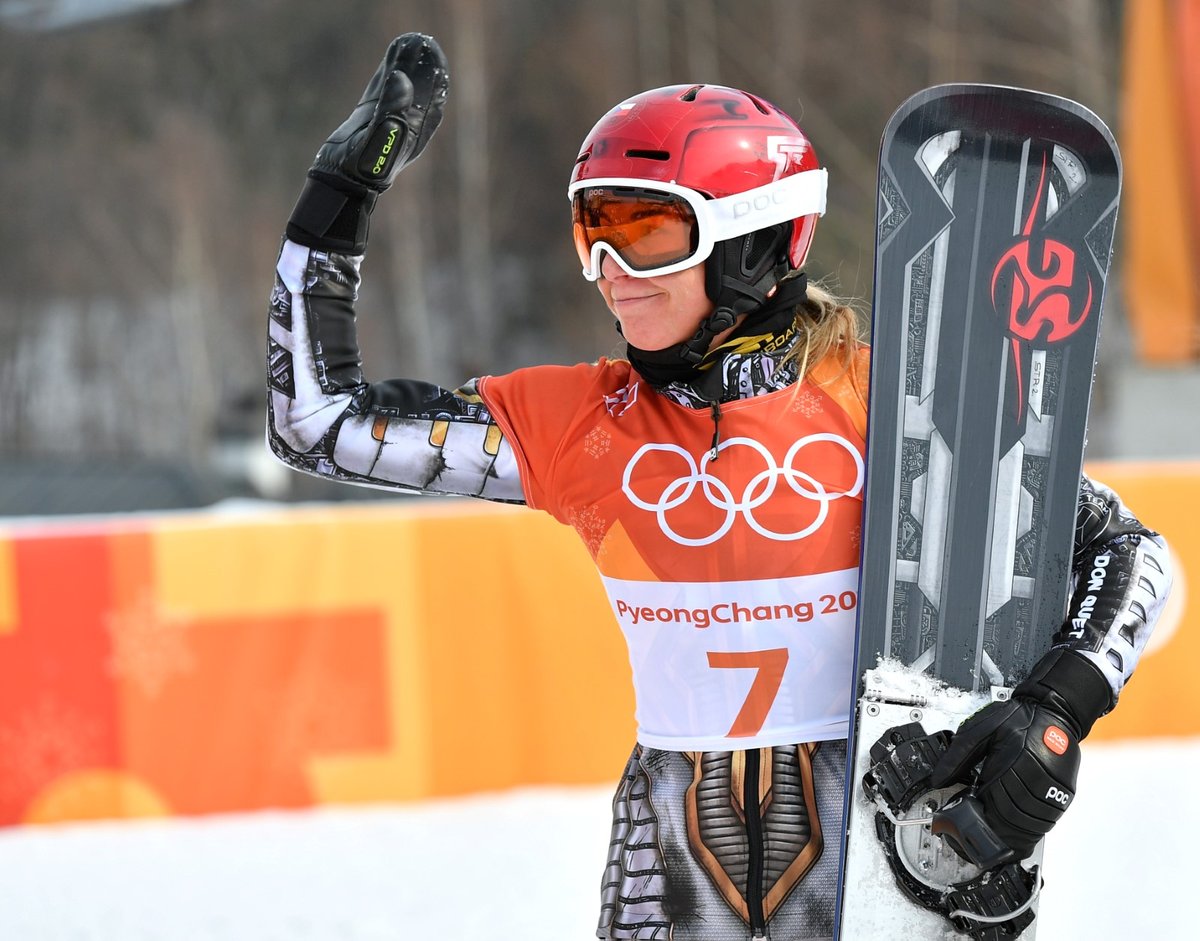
{"x": 43, "y": 742}
{"x": 150, "y": 645}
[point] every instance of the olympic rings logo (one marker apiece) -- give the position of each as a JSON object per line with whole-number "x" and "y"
{"x": 757, "y": 491}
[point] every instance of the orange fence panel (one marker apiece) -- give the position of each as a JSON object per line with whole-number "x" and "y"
{"x": 1160, "y": 700}
{"x": 184, "y": 665}
{"x": 1159, "y": 133}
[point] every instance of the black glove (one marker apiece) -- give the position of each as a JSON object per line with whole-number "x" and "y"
{"x": 397, "y": 114}
{"x": 1027, "y": 749}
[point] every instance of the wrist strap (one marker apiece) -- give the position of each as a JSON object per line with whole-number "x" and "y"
{"x": 1071, "y": 685}
{"x": 332, "y": 214}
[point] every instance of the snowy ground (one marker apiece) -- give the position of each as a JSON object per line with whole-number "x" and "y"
{"x": 524, "y": 866}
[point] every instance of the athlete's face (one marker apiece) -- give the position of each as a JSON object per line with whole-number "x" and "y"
{"x": 655, "y": 312}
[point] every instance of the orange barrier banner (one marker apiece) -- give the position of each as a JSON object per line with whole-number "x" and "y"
{"x": 1160, "y": 143}
{"x": 286, "y": 658}
{"x": 1160, "y": 699}
{"x": 210, "y": 664}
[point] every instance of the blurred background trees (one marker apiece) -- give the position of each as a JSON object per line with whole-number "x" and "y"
{"x": 151, "y": 160}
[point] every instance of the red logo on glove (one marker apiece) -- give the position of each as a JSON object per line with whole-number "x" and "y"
{"x": 1056, "y": 740}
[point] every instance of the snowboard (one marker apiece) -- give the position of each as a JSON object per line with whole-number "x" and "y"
{"x": 996, "y": 213}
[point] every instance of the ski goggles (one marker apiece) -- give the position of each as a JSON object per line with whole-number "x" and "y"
{"x": 658, "y": 230}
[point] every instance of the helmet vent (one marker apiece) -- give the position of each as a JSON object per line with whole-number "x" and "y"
{"x": 691, "y": 93}
{"x": 758, "y": 103}
{"x": 649, "y": 154}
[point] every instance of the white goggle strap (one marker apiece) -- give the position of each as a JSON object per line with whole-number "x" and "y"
{"x": 801, "y": 194}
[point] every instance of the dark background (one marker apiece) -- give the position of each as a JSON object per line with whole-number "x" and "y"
{"x": 150, "y": 161}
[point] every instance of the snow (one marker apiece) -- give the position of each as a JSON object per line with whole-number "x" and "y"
{"x": 896, "y": 682}
{"x": 523, "y": 865}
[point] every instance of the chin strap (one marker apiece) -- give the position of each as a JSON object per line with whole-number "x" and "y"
{"x": 743, "y": 276}
{"x": 768, "y": 317}
{"x": 735, "y": 299}
{"x": 770, "y": 321}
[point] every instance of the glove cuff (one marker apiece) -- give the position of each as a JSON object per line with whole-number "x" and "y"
{"x": 1072, "y": 686}
{"x": 332, "y": 214}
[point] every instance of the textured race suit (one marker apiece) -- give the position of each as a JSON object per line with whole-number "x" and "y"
{"x": 727, "y": 538}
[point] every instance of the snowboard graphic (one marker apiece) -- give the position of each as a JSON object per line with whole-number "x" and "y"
{"x": 996, "y": 214}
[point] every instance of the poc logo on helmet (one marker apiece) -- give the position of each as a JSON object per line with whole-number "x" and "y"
{"x": 1059, "y": 797}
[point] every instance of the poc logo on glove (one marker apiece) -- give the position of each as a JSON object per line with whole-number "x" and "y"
{"x": 1059, "y": 797}
{"x": 1056, "y": 740}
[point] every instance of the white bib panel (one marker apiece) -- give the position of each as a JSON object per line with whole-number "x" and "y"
{"x": 719, "y": 666}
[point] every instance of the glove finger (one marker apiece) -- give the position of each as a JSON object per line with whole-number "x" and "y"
{"x": 970, "y": 743}
{"x": 432, "y": 101}
{"x": 426, "y": 67}
{"x": 402, "y": 55}
{"x": 420, "y": 57}
{"x": 372, "y": 101}
{"x": 373, "y": 95}
{"x": 396, "y": 98}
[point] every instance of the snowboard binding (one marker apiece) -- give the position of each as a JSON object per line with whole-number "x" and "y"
{"x": 945, "y": 856}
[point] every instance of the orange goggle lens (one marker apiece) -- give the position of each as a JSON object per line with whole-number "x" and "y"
{"x": 648, "y": 229}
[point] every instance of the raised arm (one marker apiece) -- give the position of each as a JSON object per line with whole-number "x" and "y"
{"x": 323, "y": 417}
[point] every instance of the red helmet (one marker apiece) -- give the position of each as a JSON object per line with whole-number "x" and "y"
{"x": 717, "y": 142}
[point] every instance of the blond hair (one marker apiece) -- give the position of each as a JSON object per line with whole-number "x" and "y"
{"x": 831, "y": 327}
